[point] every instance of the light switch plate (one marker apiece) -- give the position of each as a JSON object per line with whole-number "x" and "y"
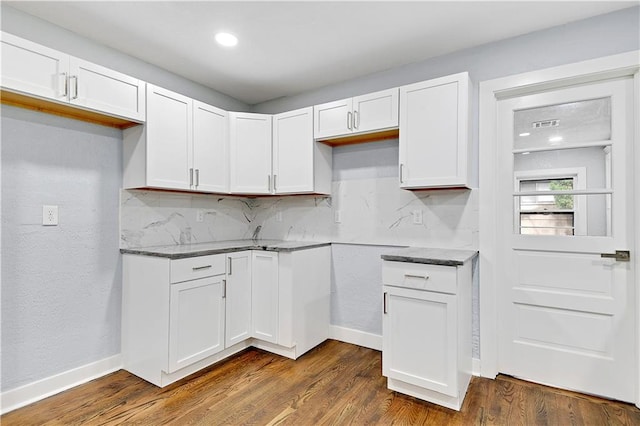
{"x": 50, "y": 215}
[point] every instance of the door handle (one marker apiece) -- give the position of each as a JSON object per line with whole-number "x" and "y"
{"x": 619, "y": 255}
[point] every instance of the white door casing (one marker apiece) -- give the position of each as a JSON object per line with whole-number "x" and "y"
{"x": 491, "y": 263}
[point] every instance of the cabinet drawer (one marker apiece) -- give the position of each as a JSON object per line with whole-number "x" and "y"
{"x": 197, "y": 267}
{"x": 420, "y": 276}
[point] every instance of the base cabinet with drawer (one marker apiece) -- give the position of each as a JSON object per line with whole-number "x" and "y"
{"x": 181, "y": 315}
{"x": 426, "y": 349}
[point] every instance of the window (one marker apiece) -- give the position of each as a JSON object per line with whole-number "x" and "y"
{"x": 547, "y": 214}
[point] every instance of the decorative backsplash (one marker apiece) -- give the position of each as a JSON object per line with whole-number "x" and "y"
{"x": 371, "y": 210}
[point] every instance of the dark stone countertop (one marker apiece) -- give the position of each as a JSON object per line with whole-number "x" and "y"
{"x": 432, "y": 256}
{"x": 218, "y": 247}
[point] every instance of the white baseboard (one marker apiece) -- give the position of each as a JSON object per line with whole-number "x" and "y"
{"x": 475, "y": 367}
{"x": 356, "y": 337}
{"x": 32, "y": 392}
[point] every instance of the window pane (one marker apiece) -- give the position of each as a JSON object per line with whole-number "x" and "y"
{"x": 563, "y": 124}
{"x": 546, "y": 203}
{"x": 594, "y": 161}
{"x": 578, "y": 215}
{"x": 547, "y": 223}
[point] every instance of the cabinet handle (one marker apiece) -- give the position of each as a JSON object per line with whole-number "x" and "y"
{"x": 224, "y": 289}
{"x": 356, "y": 119}
{"x": 75, "y": 92}
{"x": 349, "y": 120}
{"x": 190, "y": 177}
{"x": 274, "y": 183}
{"x": 197, "y": 177}
{"x": 268, "y": 183}
{"x": 424, "y": 277}
{"x": 401, "y": 174}
{"x": 200, "y": 268}
{"x": 384, "y": 302}
{"x": 66, "y": 84}
{"x": 230, "y": 266}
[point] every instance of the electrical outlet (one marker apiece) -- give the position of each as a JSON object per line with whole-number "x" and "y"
{"x": 417, "y": 217}
{"x": 50, "y": 215}
{"x": 337, "y": 216}
{"x": 199, "y": 215}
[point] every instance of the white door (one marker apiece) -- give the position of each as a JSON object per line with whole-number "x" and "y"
{"x": 104, "y": 90}
{"x": 210, "y": 148}
{"x": 169, "y": 127}
{"x": 264, "y": 295}
{"x": 293, "y": 162}
{"x": 565, "y": 198}
{"x": 375, "y": 111}
{"x": 238, "y": 297}
{"x": 196, "y": 321}
{"x": 250, "y": 149}
{"x": 34, "y": 69}
{"x": 333, "y": 119}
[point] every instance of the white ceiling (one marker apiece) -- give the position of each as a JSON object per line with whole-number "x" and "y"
{"x": 290, "y": 47}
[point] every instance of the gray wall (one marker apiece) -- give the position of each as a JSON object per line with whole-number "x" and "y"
{"x": 61, "y": 285}
{"x": 39, "y": 31}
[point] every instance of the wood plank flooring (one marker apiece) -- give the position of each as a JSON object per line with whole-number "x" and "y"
{"x": 334, "y": 384}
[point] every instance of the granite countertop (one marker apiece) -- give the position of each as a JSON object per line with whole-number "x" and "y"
{"x": 433, "y": 256}
{"x": 218, "y": 247}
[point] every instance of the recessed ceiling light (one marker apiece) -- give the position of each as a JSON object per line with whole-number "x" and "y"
{"x": 226, "y": 39}
{"x": 555, "y": 139}
{"x": 524, "y": 134}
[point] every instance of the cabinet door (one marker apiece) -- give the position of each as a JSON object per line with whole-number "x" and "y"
{"x": 169, "y": 126}
{"x": 250, "y": 149}
{"x": 238, "y": 297}
{"x": 264, "y": 295}
{"x": 293, "y": 162}
{"x": 332, "y": 119}
{"x": 104, "y": 90}
{"x": 210, "y": 148}
{"x": 34, "y": 69}
{"x": 419, "y": 339}
{"x": 434, "y": 133}
{"x": 196, "y": 321}
{"x": 375, "y": 111}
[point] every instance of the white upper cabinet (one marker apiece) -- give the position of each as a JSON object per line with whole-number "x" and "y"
{"x": 33, "y": 69}
{"x": 362, "y": 114}
{"x": 210, "y": 148}
{"x": 183, "y": 145}
{"x": 250, "y": 153}
{"x": 300, "y": 165}
{"x": 168, "y": 139}
{"x": 434, "y": 133}
{"x": 38, "y": 71}
{"x": 101, "y": 89}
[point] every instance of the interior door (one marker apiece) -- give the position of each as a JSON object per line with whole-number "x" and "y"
{"x": 566, "y": 305}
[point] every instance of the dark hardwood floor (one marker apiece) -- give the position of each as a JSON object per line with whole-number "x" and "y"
{"x": 334, "y": 384}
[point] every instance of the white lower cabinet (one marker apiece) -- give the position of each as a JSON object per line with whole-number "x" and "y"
{"x": 238, "y": 297}
{"x": 426, "y": 332}
{"x": 264, "y": 295}
{"x": 179, "y": 316}
{"x": 196, "y": 324}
